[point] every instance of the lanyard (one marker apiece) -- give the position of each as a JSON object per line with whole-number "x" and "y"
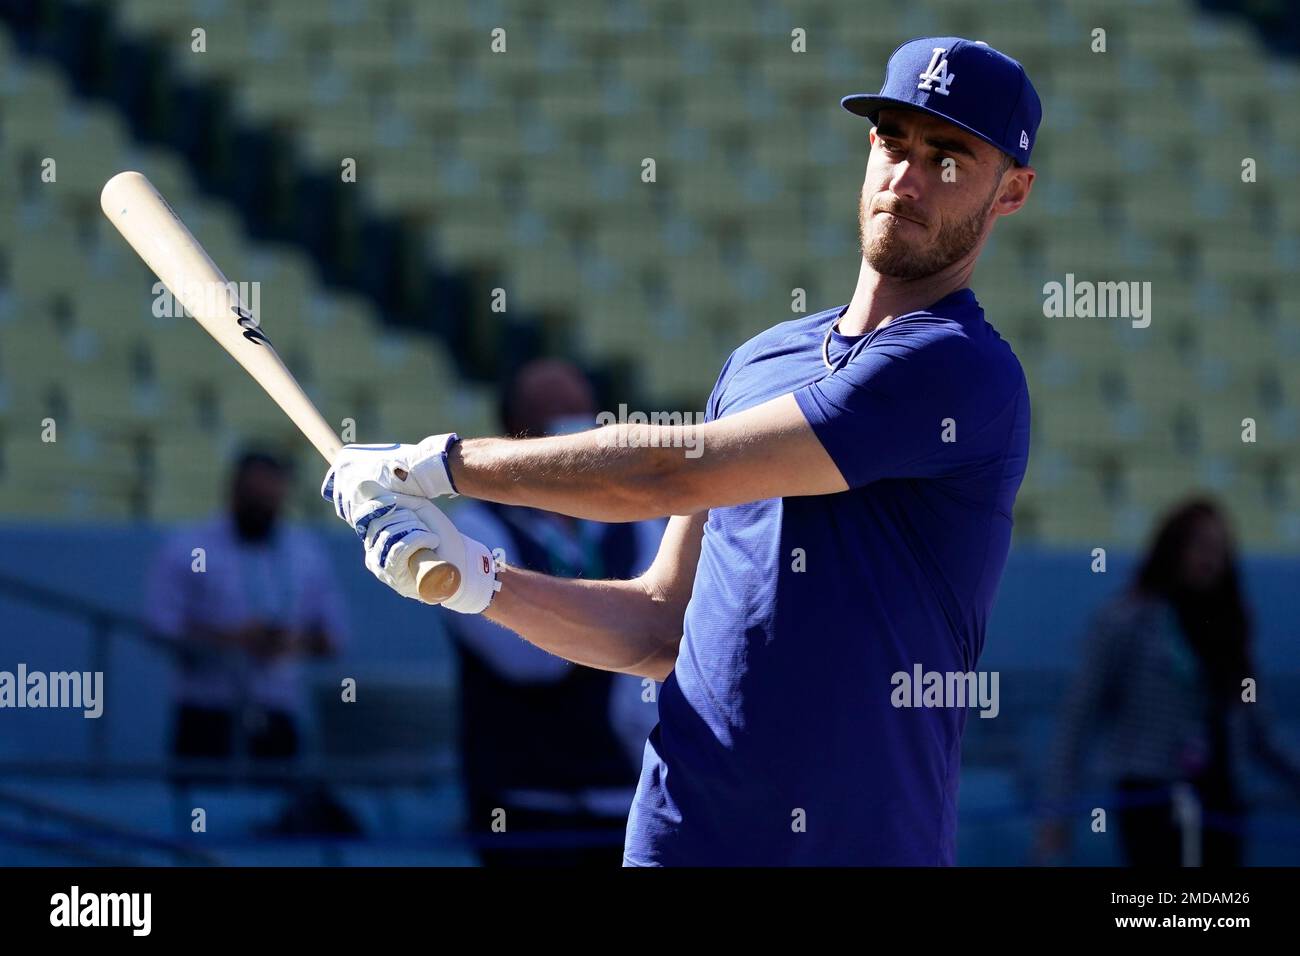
{"x": 572, "y": 553}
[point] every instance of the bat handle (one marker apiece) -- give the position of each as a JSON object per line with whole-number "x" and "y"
{"x": 435, "y": 580}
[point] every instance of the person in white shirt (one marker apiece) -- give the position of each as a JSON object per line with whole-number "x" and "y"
{"x": 250, "y": 600}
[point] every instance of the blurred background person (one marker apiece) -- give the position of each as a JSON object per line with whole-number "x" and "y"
{"x": 555, "y": 746}
{"x": 1161, "y": 688}
{"x": 249, "y": 609}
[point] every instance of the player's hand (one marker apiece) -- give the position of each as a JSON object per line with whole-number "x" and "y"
{"x": 362, "y": 471}
{"x": 395, "y": 527}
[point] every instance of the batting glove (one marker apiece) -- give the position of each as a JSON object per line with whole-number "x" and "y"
{"x": 396, "y": 527}
{"x": 360, "y": 472}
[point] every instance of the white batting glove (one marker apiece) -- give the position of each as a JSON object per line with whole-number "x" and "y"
{"x": 395, "y": 527}
{"x": 360, "y": 472}
{"x": 391, "y": 535}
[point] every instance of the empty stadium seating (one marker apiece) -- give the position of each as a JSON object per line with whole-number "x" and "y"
{"x": 146, "y": 411}
{"x": 529, "y": 162}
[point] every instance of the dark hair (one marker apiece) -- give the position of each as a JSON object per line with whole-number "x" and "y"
{"x": 257, "y": 458}
{"x": 1215, "y": 622}
{"x": 510, "y": 406}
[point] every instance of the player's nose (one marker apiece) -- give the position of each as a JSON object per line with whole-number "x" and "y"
{"x": 906, "y": 181}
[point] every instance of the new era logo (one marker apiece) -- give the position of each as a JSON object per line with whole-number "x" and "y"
{"x": 1024, "y": 140}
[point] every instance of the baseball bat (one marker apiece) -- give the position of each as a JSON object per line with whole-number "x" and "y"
{"x": 145, "y": 219}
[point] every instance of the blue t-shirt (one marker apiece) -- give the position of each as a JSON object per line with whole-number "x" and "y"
{"x": 777, "y": 740}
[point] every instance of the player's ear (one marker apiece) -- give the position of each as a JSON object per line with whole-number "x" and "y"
{"x": 1017, "y": 182}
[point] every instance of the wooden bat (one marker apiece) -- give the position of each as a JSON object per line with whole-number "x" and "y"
{"x": 156, "y": 233}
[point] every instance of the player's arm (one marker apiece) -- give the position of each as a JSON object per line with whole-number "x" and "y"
{"x": 632, "y": 627}
{"x": 887, "y": 414}
{"x": 632, "y": 472}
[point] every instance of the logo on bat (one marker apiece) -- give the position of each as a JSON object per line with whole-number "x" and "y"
{"x": 249, "y": 325}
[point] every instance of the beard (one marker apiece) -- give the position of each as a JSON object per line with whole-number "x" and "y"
{"x": 891, "y": 254}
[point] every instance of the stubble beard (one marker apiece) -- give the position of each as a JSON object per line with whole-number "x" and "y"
{"x": 891, "y": 254}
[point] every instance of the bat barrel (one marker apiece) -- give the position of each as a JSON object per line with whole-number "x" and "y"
{"x": 145, "y": 219}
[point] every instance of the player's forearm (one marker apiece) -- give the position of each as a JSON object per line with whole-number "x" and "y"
{"x": 611, "y": 625}
{"x": 617, "y": 473}
{"x": 631, "y": 472}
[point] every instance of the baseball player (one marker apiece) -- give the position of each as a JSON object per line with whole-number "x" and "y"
{"x": 847, "y": 521}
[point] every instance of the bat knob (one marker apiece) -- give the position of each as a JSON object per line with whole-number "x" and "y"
{"x": 435, "y": 580}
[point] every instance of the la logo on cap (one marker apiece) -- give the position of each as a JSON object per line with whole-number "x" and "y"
{"x": 936, "y": 72}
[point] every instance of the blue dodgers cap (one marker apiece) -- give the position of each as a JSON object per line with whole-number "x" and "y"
{"x": 969, "y": 84}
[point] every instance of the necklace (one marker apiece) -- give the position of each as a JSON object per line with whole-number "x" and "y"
{"x": 826, "y": 345}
